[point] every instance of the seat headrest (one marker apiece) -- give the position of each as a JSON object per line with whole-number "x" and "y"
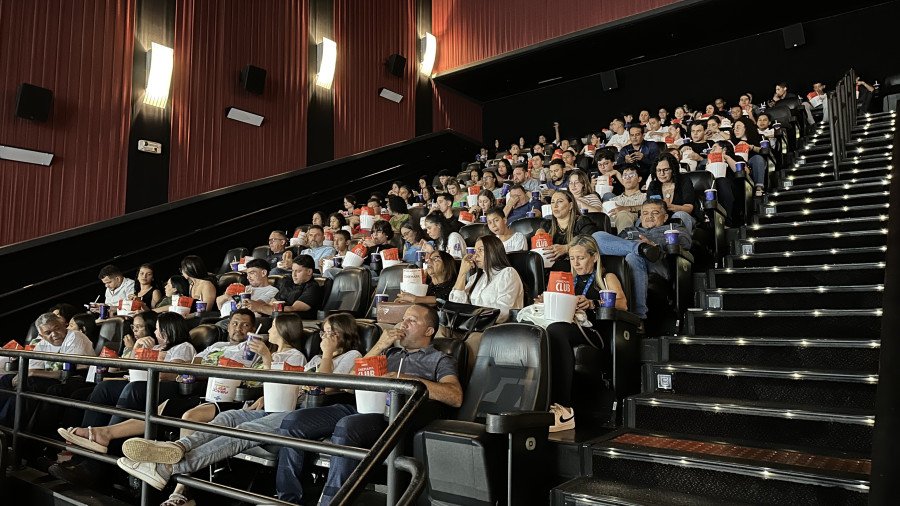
{"x": 368, "y": 336}
{"x": 204, "y": 335}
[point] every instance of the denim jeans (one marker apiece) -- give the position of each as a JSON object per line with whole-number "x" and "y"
{"x": 105, "y": 393}
{"x": 204, "y": 448}
{"x": 687, "y": 219}
{"x": 640, "y": 266}
{"x": 134, "y": 396}
{"x": 758, "y": 168}
{"x": 345, "y": 426}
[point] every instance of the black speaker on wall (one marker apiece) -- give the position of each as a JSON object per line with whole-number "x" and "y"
{"x": 253, "y": 79}
{"x": 33, "y": 102}
{"x": 395, "y": 64}
{"x": 608, "y": 80}
{"x": 793, "y": 36}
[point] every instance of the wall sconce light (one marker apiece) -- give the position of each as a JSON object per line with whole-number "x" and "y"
{"x": 244, "y": 116}
{"x": 326, "y": 60}
{"x": 159, "y": 75}
{"x": 428, "y": 52}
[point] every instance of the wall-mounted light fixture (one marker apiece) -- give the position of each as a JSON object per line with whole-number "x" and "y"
{"x": 159, "y": 75}
{"x": 25, "y": 156}
{"x": 326, "y": 60}
{"x": 244, "y": 116}
{"x": 427, "y": 52}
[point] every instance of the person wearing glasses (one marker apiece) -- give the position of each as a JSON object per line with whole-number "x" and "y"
{"x": 679, "y": 195}
{"x": 278, "y": 241}
{"x": 629, "y": 202}
{"x": 640, "y": 247}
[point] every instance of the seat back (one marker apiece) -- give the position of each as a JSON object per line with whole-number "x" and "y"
{"x": 416, "y": 214}
{"x": 261, "y": 252}
{"x": 701, "y": 180}
{"x": 228, "y": 278}
{"x": 511, "y": 372}
{"x": 600, "y": 220}
{"x": 350, "y": 292}
{"x": 456, "y": 349}
{"x": 617, "y": 265}
{"x": 527, "y": 226}
{"x": 530, "y": 266}
{"x": 473, "y": 232}
{"x": 110, "y": 335}
{"x": 325, "y": 284}
{"x": 312, "y": 345}
{"x": 205, "y": 334}
{"x": 388, "y": 283}
{"x": 232, "y": 255}
{"x": 368, "y": 336}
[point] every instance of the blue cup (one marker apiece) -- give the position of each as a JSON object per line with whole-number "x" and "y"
{"x": 104, "y": 311}
{"x": 710, "y": 194}
{"x": 607, "y": 298}
{"x": 764, "y": 143}
{"x": 379, "y": 298}
{"x": 529, "y": 214}
{"x": 671, "y": 237}
{"x": 740, "y": 167}
{"x": 482, "y": 219}
{"x": 338, "y": 262}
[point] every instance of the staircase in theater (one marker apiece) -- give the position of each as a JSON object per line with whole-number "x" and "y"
{"x": 769, "y": 396}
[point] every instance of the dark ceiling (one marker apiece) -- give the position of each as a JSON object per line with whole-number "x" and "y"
{"x": 682, "y": 27}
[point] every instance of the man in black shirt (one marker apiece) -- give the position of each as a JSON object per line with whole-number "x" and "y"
{"x": 300, "y": 293}
{"x": 699, "y": 145}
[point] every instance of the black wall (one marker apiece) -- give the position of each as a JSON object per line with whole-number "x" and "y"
{"x": 865, "y": 40}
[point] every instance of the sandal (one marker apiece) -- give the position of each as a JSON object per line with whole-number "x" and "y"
{"x": 178, "y": 500}
{"x": 760, "y": 191}
{"x": 84, "y": 442}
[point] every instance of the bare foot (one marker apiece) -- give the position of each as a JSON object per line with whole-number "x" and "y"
{"x": 100, "y": 434}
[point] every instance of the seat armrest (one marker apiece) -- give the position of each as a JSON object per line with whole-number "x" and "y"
{"x": 613, "y": 314}
{"x": 678, "y": 251}
{"x": 713, "y": 205}
{"x": 507, "y": 423}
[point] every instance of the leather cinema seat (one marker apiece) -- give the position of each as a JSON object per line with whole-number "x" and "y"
{"x": 471, "y": 233}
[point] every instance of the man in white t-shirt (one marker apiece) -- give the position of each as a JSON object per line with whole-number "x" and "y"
{"x": 118, "y": 287}
{"x": 242, "y": 322}
{"x": 620, "y": 137}
{"x": 258, "y": 279}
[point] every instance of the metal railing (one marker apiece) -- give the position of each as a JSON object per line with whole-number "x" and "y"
{"x": 384, "y": 449}
{"x": 841, "y": 118}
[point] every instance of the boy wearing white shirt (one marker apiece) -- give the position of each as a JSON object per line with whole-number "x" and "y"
{"x": 118, "y": 287}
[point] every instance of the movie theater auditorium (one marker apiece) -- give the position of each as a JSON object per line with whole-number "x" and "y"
{"x": 448, "y": 252}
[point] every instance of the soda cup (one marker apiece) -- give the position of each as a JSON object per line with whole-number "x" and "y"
{"x": 104, "y": 311}
{"x": 380, "y": 297}
{"x": 530, "y": 214}
{"x": 764, "y": 144}
{"x": 482, "y": 219}
{"x": 201, "y": 306}
{"x": 504, "y": 189}
{"x": 536, "y": 195}
{"x": 470, "y": 251}
{"x": 338, "y": 262}
{"x": 740, "y": 167}
{"x": 279, "y": 306}
{"x": 248, "y": 353}
{"x": 234, "y": 266}
{"x": 607, "y": 298}
{"x": 710, "y": 194}
{"x": 671, "y": 236}
{"x": 67, "y": 369}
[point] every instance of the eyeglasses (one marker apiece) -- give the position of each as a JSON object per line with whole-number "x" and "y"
{"x": 630, "y": 175}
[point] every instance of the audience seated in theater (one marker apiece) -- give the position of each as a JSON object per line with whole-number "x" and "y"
{"x": 315, "y": 237}
{"x": 781, "y": 93}
{"x": 558, "y": 175}
{"x": 628, "y": 203}
{"x": 580, "y": 187}
{"x": 439, "y": 232}
{"x": 655, "y": 131}
{"x": 522, "y": 177}
{"x": 142, "y": 325}
{"x": 487, "y": 279}
{"x": 145, "y": 288}
{"x": 697, "y": 150}
{"x": 299, "y": 292}
{"x": 503, "y": 170}
{"x": 746, "y": 137}
{"x": 474, "y": 177}
{"x": 564, "y": 223}
{"x": 747, "y": 108}
{"x": 713, "y": 132}
{"x": 258, "y": 286}
{"x": 679, "y": 198}
{"x": 118, "y": 287}
{"x": 489, "y": 183}
{"x": 379, "y": 239}
{"x": 444, "y": 204}
{"x": 55, "y": 337}
{"x": 568, "y": 159}
{"x": 680, "y": 115}
{"x": 398, "y": 210}
{"x": 349, "y": 205}
{"x": 278, "y": 241}
{"x": 336, "y": 221}
{"x": 413, "y": 241}
{"x": 457, "y": 194}
{"x": 764, "y": 127}
{"x": 639, "y": 152}
{"x": 536, "y": 166}
{"x": 619, "y": 138}
{"x": 427, "y": 196}
{"x": 642, "y": 253}
{"x": 194, "y": 270}
{"x": 286, "y": 335}
{"x": 176, "y": 285}
{"x": 592, "y": 146}
{"x": 663, "y": 116}
{"x": 512, "y": 241}
{"x": 486, "y": 202}
{"x": 606, "y": 165}
{"x": 519, "y": 204}
{"x": 441, "y": 270}
{"x": 155, "y": 462}
{"x": 676, "y": 135}
{"x": 590, "y": 278}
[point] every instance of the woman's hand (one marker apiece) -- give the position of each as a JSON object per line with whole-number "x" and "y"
{"x": 329, "y": 343}
{"x": 145, "y": 342}
{"x": 259, "y": 346}
{"x": 258, "y": 405}
{"x": 407, "y": 298}
{"x": 583, "y": 303}
{"x": 467, "y": 265}
{"x": 128, "y": 339}
{"x": 556, "y": 251}
{"x": 539, "y": 299}
{"x": 286, "y": 260}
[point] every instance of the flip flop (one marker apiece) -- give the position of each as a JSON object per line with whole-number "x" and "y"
{"x": 84, "y": 442}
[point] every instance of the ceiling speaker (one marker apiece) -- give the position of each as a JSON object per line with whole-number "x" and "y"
{"x": 33, "y": 102}
{"x": 253, "y": 79}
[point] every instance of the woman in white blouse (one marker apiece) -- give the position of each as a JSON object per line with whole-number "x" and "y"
{"x": 512, "y": 241}
{"x": 494, "y": 284}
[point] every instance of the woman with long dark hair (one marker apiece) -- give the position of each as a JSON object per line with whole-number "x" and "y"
{"x": 487, "y": 279}
{"x": 437, "y": 228}
{"x": 145, "y": 287}
{"x": 679, "y": 198}
{"x": 563, "y": 224}
{"x": 201, "y": 289}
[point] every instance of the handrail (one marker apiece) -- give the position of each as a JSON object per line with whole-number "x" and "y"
{"x": 841, "y": 118}
{"x": 384, "y": 449}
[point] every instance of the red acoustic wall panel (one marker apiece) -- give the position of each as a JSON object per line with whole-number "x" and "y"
{"x": 472, "y": 30}
{"x": 367, "y": 33}
{"x": 452, "y": 110}
{"x": 213, "y": 42}
{"x": 82, "y": 51}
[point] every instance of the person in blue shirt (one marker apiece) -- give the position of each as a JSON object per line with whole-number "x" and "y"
{"x": 518, "y": 204}
{"x": 644, "y": 154}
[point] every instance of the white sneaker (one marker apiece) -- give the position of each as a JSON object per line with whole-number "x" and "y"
{"x": 144, "y": 471}
{"x": 564, "y": 418}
